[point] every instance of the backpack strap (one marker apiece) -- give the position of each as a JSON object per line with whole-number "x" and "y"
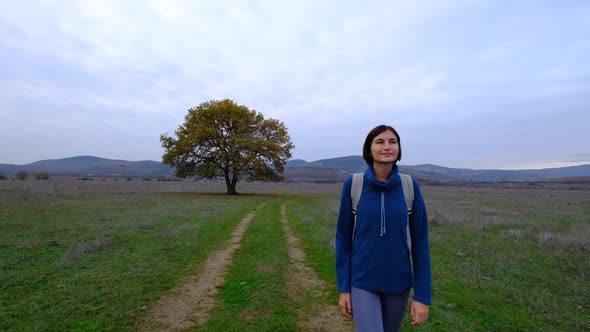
{"x": 408, "y": 189}
{"x": 355, "y": 194}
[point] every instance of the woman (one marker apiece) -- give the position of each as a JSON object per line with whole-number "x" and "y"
{"x": 373, "y": 265}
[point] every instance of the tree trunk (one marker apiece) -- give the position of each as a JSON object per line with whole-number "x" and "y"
{"x": 231, "y": 188}
{"x": 230, "y": 184}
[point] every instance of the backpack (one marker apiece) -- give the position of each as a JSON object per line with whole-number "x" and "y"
{"x": 407, "y": 187}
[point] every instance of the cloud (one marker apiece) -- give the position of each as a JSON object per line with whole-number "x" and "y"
{"x": 452, "y": 72}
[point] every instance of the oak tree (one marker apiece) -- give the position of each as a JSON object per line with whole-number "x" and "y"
{"x": 222, "y": 138}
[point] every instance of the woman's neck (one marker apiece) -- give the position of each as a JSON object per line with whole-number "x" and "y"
{"x": 382, "y": 171}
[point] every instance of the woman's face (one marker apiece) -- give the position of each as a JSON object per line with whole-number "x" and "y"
{"x": 385, "y": 148}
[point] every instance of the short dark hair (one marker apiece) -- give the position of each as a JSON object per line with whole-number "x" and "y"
{"x": 369, "y": 140}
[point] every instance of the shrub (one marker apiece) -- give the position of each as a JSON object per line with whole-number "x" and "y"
{"x": 22, "y": 175}
{"x": 83, "y": 249}
{"x": 546, "y": 238}
{"x": 42, "y": 176}
{"x": 575, "y": 239}
{"x": 3, "y": 177}
{"x": 167, "y": 178}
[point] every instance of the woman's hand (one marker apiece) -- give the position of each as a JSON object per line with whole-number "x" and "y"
{"x": 345, "y": 304}
{"x": 419, "y": 312}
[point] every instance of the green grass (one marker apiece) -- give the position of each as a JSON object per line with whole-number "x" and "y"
{"x": 254, "y": 296}
{"x": 495, "y": 283}
{"x": 97, "y": 262}
{"x": 76, "y": 259}
{"x": 490, "y": 270}
{"x": 313, "y": 220}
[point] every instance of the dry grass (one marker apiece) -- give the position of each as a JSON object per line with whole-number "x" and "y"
{"x": 576, "y": 238}
{"x": 555, "y": 216}
{"x": 80, "y": 250}
{"x": 71, "y": 186}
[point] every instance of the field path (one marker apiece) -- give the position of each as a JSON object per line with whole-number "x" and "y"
{"x": 303, "y": 284}
{"x": 190, "y": 303}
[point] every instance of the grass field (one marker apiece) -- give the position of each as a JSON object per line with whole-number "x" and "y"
{"x": 94, "y": 255}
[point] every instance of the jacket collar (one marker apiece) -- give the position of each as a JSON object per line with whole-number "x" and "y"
{"x": 393, "y": 181}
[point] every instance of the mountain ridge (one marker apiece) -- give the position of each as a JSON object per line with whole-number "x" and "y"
{"x": 297, "y": 170}
{"x": 92, "y": 166}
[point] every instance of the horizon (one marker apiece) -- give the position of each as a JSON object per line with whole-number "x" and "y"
{"x": 479, "y": 85}
{"x": 310, "y": 161}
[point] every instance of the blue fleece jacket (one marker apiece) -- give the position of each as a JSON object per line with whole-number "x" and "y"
{"x": 378, "y": 259}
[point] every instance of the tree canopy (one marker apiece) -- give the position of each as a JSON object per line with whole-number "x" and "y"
{"x": 222, "y": 138}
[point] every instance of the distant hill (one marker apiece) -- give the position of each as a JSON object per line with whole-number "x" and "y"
{"x": 487, "y": 175}
{"x": 294, "y": 163}
{"x": 335, "y": 169}
{"x": 350, "y": 163}
{"x": 92, "y": 166}
{"x": 297, "y": 170}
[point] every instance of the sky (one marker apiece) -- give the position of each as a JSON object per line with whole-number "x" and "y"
{"x": 466, "y": 83}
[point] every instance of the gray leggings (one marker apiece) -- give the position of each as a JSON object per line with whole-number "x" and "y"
{"x": 374, "y": 312}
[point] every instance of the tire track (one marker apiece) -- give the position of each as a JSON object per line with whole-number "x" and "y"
{"x": 303, "y": 284}
{"x": 190, "y": 304}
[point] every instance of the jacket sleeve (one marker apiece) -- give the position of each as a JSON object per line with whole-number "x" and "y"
{"x": 344, "y": 229}
{"x": 420, "y": 249}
